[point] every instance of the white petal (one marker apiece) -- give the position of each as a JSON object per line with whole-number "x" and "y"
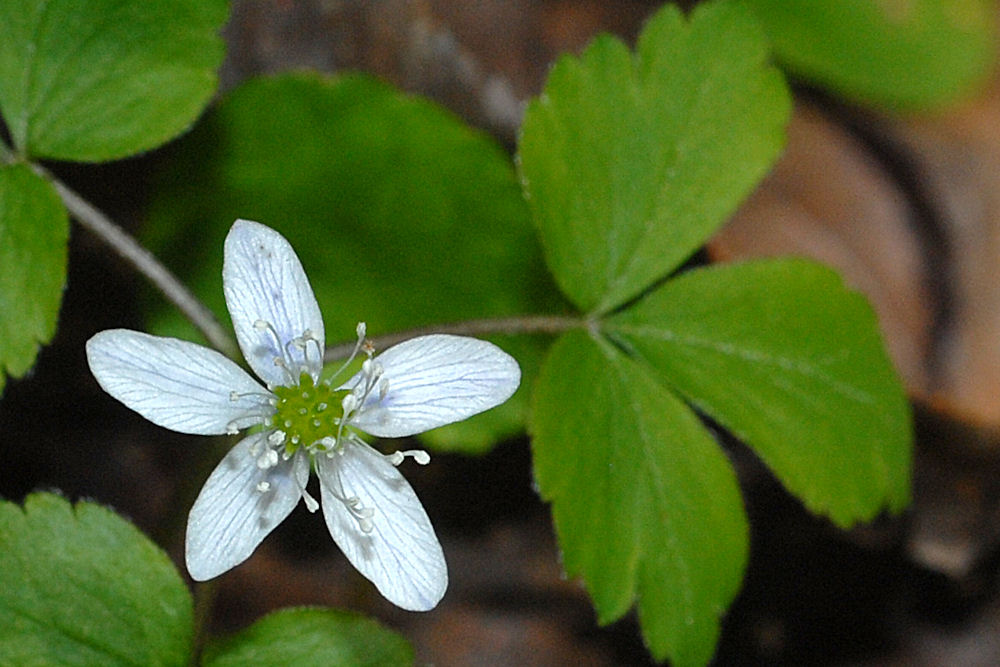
{"x": 264, "y": 282}
{"x": 436, "y": 380}
{"x": 232, "y": 515}
{"x": 176, "y": 384}
{"x": 401, "y": 555}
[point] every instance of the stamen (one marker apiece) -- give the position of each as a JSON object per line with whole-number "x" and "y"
{"x": 361, "y": 514}
{"x": 311, "y": 503}
{"x": 263, "y": 487}
{"x": 276, "y": 438}
{"x": 232, "y": 428}
{"x": 418, "y": 455}
{"x": 268, "y": 459}
{"x": 360, "y": 330}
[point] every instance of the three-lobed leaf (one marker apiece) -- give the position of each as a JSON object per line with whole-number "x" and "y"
{"x": 402, "y": 215}
{"x": 630, "y": 162}
{"x": 645, "y": 503}
{"x": 105, "y": 79}
{"x": 82, "y": 586}
{"x": 307, "y": 637}
{"x": 915, "y": 54}
{"x": 791, "y": 361}
{"x": 34, "y": 228}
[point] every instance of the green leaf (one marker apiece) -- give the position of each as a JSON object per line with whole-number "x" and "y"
{"x": 105, "y": 79}
{"x": 902, "y": 54}
{"x": 34, "y": 228}
{"x": 82, "y": 586}
{"x": 402, "y": 215}
{"x": 788, "y": 359}
{"x": 646, "y": 506}
{"x": 310, "y": 636}
{"x": 631, "y": 162}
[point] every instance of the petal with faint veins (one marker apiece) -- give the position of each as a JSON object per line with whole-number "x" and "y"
{"x": 176, "y": 384}
{"x": 401, "y": 555}
{"x": 264, "y": 281}
{"x": 435, "y": 380}
{"x": 232, "y": 515}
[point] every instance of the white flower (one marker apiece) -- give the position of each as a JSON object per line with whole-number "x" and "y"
{"x": 370, "y": 510}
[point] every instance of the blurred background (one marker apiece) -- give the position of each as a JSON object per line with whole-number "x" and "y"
{"x": 906, "y": 206}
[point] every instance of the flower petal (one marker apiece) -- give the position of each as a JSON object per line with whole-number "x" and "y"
{"x": 401, "y": 555}
{"x": 436, "y": 380}
{"x": 176, "y": 384}
{"x": 232, "y": 515}
{"x": 264, "y": 282}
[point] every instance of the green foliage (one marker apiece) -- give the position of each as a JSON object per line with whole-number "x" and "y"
{"x": 81, "y": 586}
{"x": 631, "y": 162}
{"x": 105, "y": 79}
{"x": 905, "y": 54}
{"x": 788, "y": 359}
{"x": 307, "y": 637}
{"x": 402, "y": 215}
{"x": 645, "y": 503}
{"x": 33, "y": 233}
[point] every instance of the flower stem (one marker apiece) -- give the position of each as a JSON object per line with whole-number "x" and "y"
{"x": 204, "y": 599}
{"x": 99, "y": 224}
{"x": 509, "y": 326}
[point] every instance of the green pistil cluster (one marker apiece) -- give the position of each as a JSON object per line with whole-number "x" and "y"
{"x": 307, "y": 412}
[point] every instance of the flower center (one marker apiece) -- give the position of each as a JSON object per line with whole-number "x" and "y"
{"x": 307, "y": 412}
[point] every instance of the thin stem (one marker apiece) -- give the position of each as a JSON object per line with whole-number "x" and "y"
{"x": 525, "y": 324}
{"x": 99, "y": 224}
{"x": 204, "y": 599}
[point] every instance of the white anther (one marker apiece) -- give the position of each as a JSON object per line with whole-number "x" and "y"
{"x": 418, "y": 455}
{"x": 232, "y": 429}
{"x": 365, "y": 525}
{"x": 276, "y": 438}
{"x": 311, "y": 503}
{"x": 234, "y": 396}
{"x": 349, "y": 404}
{"x": 328, "y": 442}
{"x": 261, "y": 325}
{"x": 361, "y": 330}
{"x": 268, "y": 459}
{"x": 263, "y": 487}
